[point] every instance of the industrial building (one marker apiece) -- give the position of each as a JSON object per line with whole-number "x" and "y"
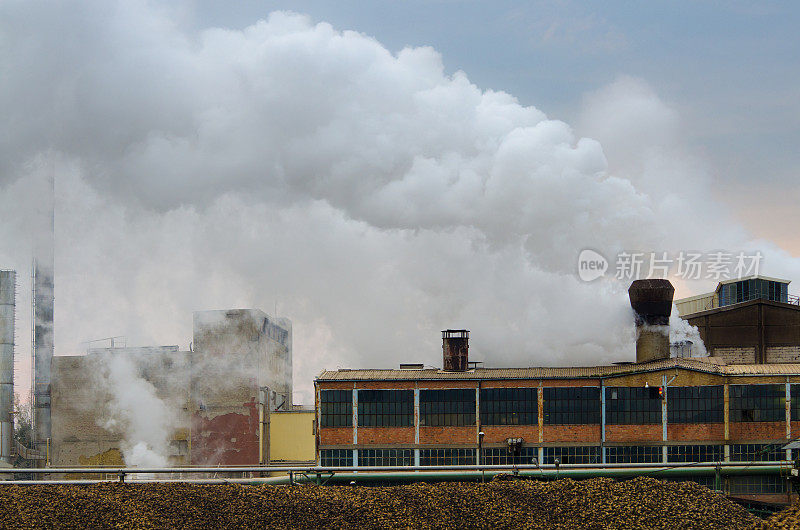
{"x": 659, "y": 409}
{"x": 220, "y": 393}
{"x": 751, "y": 320}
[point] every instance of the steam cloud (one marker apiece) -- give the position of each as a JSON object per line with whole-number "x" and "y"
{"x": 144, "y": 419}
{"x": 375, "y": 197}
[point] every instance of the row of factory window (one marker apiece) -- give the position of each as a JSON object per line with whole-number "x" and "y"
{"x": 562, "y": 406}
{"x": 592, "y": 454}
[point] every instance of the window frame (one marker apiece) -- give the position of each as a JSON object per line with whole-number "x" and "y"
{"x": 337, "y": 412}
{"x": 447, "y": 407}
{"x": 385, "y": 408}
{"x": 688, "y": 404}
{"x": 577, "y": 405}
{"x": 632, "y": 405}
{"x": 509, "y": 406}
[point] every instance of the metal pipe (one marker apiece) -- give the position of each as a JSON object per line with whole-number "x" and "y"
{"x": 543, "y": 474}
{"x": 319, "y": 469}
{"x": 457, "y": 475}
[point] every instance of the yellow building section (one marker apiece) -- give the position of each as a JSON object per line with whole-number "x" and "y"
{"x": 291, "y": 436}
{"x": 112, "y": 457}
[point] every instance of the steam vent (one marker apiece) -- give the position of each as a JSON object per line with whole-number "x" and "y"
{"x": 651, "y": 300}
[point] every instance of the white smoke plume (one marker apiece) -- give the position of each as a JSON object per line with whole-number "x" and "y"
{"x": 144, "y": 419}
{"x": 681, "y": 331}
{"x": 374, "y": 196}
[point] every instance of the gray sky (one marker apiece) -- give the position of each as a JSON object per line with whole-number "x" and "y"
{"x": 386, "y": 170}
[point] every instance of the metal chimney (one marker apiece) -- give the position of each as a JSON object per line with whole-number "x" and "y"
{"x": 651, "y": 300}
{"x": 455, "y": 350}
{"x": 8, "y": 291}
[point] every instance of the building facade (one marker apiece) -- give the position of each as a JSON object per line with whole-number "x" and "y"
{"x": 747, "y": 321}
{"x": 218, "y": 395}
{"x": 667, "y": 411}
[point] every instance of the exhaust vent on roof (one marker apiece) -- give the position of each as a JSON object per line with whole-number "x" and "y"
{"x": 411, "y": 366}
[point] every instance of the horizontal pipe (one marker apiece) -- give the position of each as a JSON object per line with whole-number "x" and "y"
{"x": 549, "y": 474}
{"x": 316, "y": 469}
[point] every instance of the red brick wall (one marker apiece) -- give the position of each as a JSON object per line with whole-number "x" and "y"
{"x": 448, "y": 384}
{"x": 385, "y": 385}
{"x": 757, "y": 430}
{"x": 385, "y": 435}
{"x": 228, "y": 439}
{"x": 695, "y": 432}
{"x": 571, "y": 433}
{"x": 633, "y": 433}
{"x": 571, "y": 382}
{"x": 499, "y": 433}
{"x": 335, "y": 435}
{"x": 448, "y": 435}
{"x": 335, "y": 385}
{"x": 511, "y": 383}
{"x": 795, "y": 428}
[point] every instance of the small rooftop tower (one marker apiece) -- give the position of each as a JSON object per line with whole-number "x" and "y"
{"x": 651, "y": 300}
{"x": 455, "y": 350}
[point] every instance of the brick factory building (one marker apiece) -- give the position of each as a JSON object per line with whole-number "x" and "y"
{"x": 657, "y": 410}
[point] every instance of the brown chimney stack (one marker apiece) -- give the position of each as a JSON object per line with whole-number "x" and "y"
{"x": 651, "y": 300}
{"x": 455, "y": 350}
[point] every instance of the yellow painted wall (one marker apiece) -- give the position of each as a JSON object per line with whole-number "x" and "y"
{"x": 291, "y": 436}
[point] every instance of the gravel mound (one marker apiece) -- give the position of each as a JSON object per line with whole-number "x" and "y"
{"x": 596, "y": 503}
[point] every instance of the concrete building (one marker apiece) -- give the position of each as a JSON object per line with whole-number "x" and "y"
{"x": 658, "y": 409}
{"x": 219, "y": 394}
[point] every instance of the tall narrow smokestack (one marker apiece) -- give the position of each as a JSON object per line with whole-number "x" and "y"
{"x": 651, "y": 300}
{"x": 455, "y": 349}
{"x": 43, "y": 302}
{"x": 8, "y": 292}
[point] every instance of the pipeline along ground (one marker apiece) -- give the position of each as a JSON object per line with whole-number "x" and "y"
{"x": 595, "y": 503}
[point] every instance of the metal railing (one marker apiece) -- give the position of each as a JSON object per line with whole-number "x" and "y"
{"x": 714, "y": 302}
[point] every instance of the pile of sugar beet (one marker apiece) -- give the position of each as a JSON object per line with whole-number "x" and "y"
{"x": 596, "y": 503}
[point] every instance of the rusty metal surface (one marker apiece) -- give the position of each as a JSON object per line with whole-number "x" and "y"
{"x": 652, "y": 300}
{"x": 455, "y": 350}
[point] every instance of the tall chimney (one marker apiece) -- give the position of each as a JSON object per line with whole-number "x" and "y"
{"x": 8, "y": 288}
{"x": 43, "y": 302}
{"x": 651, "y": 300}
{"x": 455, "y": 350}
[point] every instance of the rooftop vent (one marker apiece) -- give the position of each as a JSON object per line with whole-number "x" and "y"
{"x": 411, "y": 366}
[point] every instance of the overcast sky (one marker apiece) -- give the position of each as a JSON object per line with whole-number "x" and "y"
{"x": 729, "y": 67}
{"x": 384, "y": 170}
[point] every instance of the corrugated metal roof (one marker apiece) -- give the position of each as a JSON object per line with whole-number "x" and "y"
{"x": 696, "y": 365}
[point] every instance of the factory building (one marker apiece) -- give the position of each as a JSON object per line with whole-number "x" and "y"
{"x": 219, "y": 394}
{"x": 748, "y": 321}
{"x": 659, "y": 409}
